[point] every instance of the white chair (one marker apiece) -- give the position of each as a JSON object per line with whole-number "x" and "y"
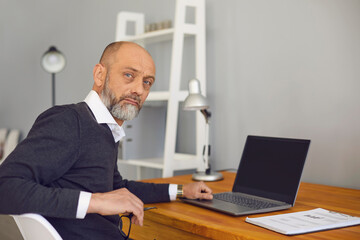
{"x": 35, "y": 227}
{"x": 10, "y": 143}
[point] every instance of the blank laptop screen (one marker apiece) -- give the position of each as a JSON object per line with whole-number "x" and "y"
{"x": 271, "y": 167}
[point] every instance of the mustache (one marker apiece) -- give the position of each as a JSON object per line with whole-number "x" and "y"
{"x": 133, "y": 97}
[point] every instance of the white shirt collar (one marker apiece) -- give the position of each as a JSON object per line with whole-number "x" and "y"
{"x": 103, "y": 115}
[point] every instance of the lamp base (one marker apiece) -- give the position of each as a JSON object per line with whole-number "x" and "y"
{"x": 212, "y": 176}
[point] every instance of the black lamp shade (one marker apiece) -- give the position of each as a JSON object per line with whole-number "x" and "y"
{"x": 53, "y": 61}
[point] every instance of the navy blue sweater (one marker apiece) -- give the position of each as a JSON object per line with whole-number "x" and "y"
{"x": 65, "y": 152}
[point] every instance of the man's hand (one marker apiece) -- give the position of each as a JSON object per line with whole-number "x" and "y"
{"x": 119, "y": 201}
{"x": 197, "y": 190}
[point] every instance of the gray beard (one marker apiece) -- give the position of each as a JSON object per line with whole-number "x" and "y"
{"x": 124, "y": 112}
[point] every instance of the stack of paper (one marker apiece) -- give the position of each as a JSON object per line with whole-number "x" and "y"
{"x": 303, "y": 222}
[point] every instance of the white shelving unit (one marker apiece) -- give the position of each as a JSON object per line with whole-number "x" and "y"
{"x": 171, "y": 160}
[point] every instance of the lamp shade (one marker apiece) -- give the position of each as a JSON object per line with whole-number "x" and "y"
{"x": 53, "y": 61}
{"x": 195, "y": 100}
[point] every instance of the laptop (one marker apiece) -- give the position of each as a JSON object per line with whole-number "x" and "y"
{"x": 267, "y": 179}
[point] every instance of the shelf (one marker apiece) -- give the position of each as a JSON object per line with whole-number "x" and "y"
{"x": 172, "y": 97}
{"x": 151, "y": 37}
{"x": 160, "y": 35}
{"x": 181, "y": 161}
{"x": 165, "y": 95}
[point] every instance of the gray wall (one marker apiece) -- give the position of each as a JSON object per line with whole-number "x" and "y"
{"x": 277, "y": 68}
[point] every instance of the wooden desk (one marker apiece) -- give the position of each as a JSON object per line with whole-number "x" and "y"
{"x": 178, "y": 220}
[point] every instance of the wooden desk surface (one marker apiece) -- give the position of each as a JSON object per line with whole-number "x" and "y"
{"x": 178, "y": 220}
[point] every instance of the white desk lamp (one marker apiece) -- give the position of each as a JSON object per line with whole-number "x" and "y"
{"x": 196, "y": 101}
{"x": 53, "y": 61}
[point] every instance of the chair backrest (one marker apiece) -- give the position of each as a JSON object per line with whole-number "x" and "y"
{"x": 35, "y": 227}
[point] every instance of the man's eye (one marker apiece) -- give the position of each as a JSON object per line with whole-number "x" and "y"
{"x": 148, "y": 82}
{"x": 128, "y": 75}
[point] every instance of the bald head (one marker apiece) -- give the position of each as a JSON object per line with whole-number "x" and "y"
{"x": 109, "y": 55}
{"x": 109, "y": 52}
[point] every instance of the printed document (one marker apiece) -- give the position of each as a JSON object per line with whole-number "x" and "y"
{"x": 303, "y": 222}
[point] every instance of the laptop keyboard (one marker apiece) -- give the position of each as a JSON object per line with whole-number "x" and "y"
{"x": 244, "y": 201}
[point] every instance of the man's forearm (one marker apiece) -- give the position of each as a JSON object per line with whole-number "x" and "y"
{"x": 24, "y": 196}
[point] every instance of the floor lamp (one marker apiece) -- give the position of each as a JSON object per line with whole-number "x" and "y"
{"x": 196, "y": 101}
{"x": 53, "y": 61}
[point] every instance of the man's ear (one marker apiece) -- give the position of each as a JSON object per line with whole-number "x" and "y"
{"x": 99, "y": 74}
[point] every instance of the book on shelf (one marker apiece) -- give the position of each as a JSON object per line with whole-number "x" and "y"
{"x": 304, "y": 222}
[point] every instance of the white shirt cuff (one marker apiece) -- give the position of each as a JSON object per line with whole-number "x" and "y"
{"x": 172, "y": 191}
{"x": 83, "y": 205}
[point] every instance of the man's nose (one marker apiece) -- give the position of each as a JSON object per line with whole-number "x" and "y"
{"x": 137, "y": 87}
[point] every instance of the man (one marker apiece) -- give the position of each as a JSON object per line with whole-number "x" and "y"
{"x": 66, "y": 167}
